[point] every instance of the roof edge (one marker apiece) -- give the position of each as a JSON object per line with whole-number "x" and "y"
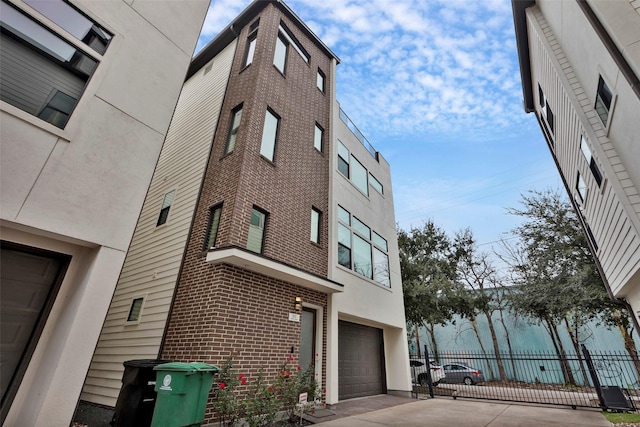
{"x": 522, "y": 43}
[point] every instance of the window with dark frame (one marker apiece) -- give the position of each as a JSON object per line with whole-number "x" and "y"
{"x": 236, "y": 116}
{"x": 269, "y": 135}
{"x": 591, "y": 161}
{"x": 251, "y": 49}
{"x": 603, "y": 101}
{"x": 257, "y": 227}
{"x": 343, "y": 159}
{"x": 135, "y": 310}
{"x": 64, "y": 69}
{"x": 166, "y": 206}
{"x": 320, "y": 80}
{"x": 316, "y": 221}
{"x": 581, "y": 187}
{"x": 280, "y": 55}
{"x": 546, "y": 111}
{"x": 212, "y": 229}
{"x": 318, "y": 137}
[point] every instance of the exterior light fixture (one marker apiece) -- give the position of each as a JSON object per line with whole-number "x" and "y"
{"x": 298, "y": 303}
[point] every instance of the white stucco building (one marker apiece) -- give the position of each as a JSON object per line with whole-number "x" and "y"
{"x": 87, "y": 92}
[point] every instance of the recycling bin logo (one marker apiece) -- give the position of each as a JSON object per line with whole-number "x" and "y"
{"x": 166, "y": 383}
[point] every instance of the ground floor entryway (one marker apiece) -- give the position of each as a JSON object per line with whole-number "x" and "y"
{"x": 360, "y": 361}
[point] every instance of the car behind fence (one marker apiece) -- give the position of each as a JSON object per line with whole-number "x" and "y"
{"x": 592, "y": 379}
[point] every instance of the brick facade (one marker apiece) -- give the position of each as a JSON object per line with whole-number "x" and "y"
{"x": 221, "y": 311}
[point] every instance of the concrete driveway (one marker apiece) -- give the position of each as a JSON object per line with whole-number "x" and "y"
{"x": 471, "y": 413}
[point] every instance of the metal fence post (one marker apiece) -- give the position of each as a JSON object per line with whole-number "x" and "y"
{"x": 428, "y": 365}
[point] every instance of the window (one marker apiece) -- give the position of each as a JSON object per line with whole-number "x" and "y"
{"x": 343, "y": 159}
{"x": 581, "y": 186}
{"x": 320, "y": 80}
{"x": 362, "y": 249}
{"x": 316, "y": 217}
{"x": 375, "y": 184}
{"x": 251, "y": 49}
{"x": 269, "y": 135}
{"x": 255, "y": 239}
{"x": 545, "y": 110}
{"x": 135, "y": 310}
{"x": 595, "y": 170}
{"x": 44, "y": 73}
{"x": 289, "y": 38}
{"x": 359, "y": 176}
{"x": 603, "y": 101}
{"x": 212, "y": 229}
{"x": 166, "y": 205}
{"x": 318, "y": 137}
{"x": 280, "y": 56}
{"x": 236, "y": 115}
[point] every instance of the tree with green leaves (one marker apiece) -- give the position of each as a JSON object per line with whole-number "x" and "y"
{"x": 432, "y": 295}
{"x": 551, "y": 262}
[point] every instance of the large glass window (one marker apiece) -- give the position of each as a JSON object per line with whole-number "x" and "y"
{"x": 212, "y": 230}
{"x": 280, "y": 56}
{"x": 269, "y": 135}
{"x": 236, "y": 115}
{"x": 603, "y": 101}
{"x": 255, "y": 239}
{"x": 42, "y": 73}
{"x": 362, "y": 249}
{"x": 166, "y": 206}
{"x": 359, "y": 176}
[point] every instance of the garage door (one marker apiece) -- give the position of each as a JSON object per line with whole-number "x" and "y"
{"x": 29, "y": 279}
{"x": 360, "y": 361}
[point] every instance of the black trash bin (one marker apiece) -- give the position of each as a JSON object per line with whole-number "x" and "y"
{"x": 137, "y": 398}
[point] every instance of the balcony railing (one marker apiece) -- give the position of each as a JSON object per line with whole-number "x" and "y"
{"x": 353, "y": 128}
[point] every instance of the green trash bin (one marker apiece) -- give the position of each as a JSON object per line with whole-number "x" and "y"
{"x": 182, "y": 390}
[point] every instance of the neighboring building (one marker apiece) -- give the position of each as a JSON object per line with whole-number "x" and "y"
{"x": 580, "y": 63}
{"x": 268, "y": 229}
{"x": 87, "y": 92}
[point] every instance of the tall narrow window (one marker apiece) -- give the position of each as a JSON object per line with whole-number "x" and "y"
{"x": 212, "y": 230}
{"x": 603, "y": 101}
{"x": 343, "y": 159}
{"x": 318, "y": 137}
{"x": 269, "y": 135}
{"x": 344, "y": 246}
{"x": 166, "y": 205}
{"x": 593, "y": 166}
{"x": 280, "y": 56}
{"x": 359, "y": 176}
{"x": 320, "y": 80}
{"x": 135, "y": 310}
{"x": 233, "y": 131}
{"x": 381, "y": 268}
{"x": 255, "y": 239}
{"x": 315, "y": 225}
{"x": 362, "y": 257}
{"x": 545, "y": 110}
{"x": 581, "y": 186}
{"x": 375, "y": 183}
{"x": 251, "y": 48}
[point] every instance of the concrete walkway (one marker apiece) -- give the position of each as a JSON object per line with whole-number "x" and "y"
{"x": 460, "y": 412}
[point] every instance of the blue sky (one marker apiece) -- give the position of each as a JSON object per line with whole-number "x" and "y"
{"x": 434, "y": 85}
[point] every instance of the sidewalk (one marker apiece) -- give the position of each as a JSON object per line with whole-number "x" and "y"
{"x": 447, "y": 412}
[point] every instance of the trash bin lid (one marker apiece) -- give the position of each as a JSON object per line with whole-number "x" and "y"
{"x": 175, "y": 366}
{"x": 144, "y": 363}
{"x": 204, "y": 367}
{"x": 187, "y": 367}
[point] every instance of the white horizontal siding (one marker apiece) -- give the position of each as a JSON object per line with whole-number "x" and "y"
{"x": 611, "y": 211}
{"x": 155, "y": 255}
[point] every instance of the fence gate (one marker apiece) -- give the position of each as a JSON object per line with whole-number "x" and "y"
{"x": 588, "y": 379}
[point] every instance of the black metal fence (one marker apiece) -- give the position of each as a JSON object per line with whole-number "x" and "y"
{"x": 529, "y": 376}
